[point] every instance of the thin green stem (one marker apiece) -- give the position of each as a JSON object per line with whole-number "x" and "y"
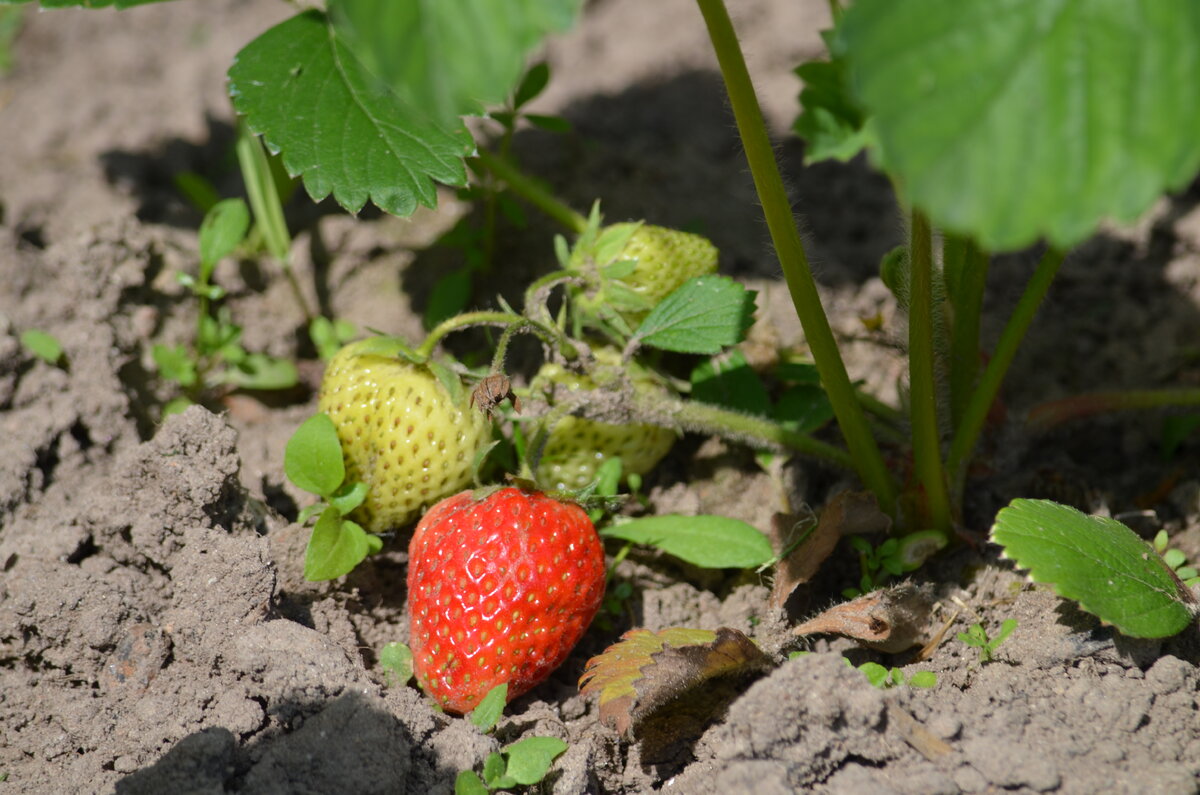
{"x": 534, "y": 193}
{"x": 1049, "y": 415}
{"x": 967, "y": 432}
{"x": 965, "y": 267}
{"x": 463, "y": 321}
{"x": 778, "y": 213}
{"x": 927, "y": 453}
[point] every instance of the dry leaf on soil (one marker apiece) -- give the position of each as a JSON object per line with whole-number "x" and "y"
{"x": 889, "y": 620}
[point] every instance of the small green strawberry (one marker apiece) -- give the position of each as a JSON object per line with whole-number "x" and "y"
{"x": 500, "y": 589}
{"x": 577, "y": 447}
{"x": 631, "y": 267}
{"x": 402, "y": 432}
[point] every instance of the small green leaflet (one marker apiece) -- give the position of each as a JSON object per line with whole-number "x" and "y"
{"x": 396, "y": 659}
{"x": 529, "y": 760}
{"x": 313, "y": 457}
{"x": 711, "y": 542}
{"x": 830, "y": 122}
{"x": 1098, "y": 562}
{"x": 337, "y": 545}
{"x": 704, "y": 315}
{"x": 222, "y": 230}
{"x": 301, "y": 88}
{"x": 42, "y": 345}
{"x": 486, "y": 714}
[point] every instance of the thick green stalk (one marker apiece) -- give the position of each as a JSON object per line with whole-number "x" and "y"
{"x": 532, "y": 192}
{"x": 927, "y": 452}
{"x": 965, "y": 268}
{"x": 1049, "y": 415}
{"x": 966, "y": 434}
{"x": 782, "y": 226}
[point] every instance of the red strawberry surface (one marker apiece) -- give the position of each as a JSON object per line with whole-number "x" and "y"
{"x": 499, "y": 590}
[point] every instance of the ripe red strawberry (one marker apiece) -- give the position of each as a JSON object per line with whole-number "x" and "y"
{"x": 499, "y": 591}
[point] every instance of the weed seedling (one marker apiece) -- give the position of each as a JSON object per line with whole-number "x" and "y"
{"x": 215, "y": 359}
{"x": 1176, "y": 560}
{"x": 42, "y": 345}
{"x": 520, "y": 764}
{"x": 977, "y": 637}
{"x": 396, "y": 660}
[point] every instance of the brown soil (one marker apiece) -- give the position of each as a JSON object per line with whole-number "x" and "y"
{"x": 155, "y": 633}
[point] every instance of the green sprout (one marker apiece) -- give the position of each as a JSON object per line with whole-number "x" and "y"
{"x": 215, "y": 359}
{"x": 893, "y": 557}
{"x": 313, "y": 462}
{"x": 1176, "y": 560}
{"x": 978, "y": 638}
{"x": 42, "y": 345}
{"x": 521, "y": 764}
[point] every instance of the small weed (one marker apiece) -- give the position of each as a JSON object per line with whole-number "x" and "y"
{"x": 520, "y": 764}
{"x": 1176, "y": 560}
{"x": 396, "y": 660}
{"x": 977, "y": 637}
{"x": 893, "y": 557}
{"x": 42, "y": 345}
{"x": 883, "y": 677}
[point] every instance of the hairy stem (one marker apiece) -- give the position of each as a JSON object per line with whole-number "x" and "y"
{"x": 1049, "y": 415}
{"x": 927, "y": 453}
{"x": 777, "y": 210}
{"x": 531, "y": 191}
{"x": 967, "y": 432}
{"x": 965, "y": 268}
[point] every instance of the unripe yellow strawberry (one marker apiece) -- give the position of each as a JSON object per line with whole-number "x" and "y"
{"x": 577, "y": 446}
{"x": 663, "y": 259}
{"x": 402, "y": 433}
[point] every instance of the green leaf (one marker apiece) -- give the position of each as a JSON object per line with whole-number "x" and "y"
{"x": 1009, "y": 120}
{"x": 704, "y": 315}
{"x": 313, "y": 457}
{"x": 712, "y": 542}
{"x": 923, "y": 679}
{"x": 452, "y": 57}
{"x": 493, "y": 769}
{"x": 468, "y": 783}
{"x": 803, "y": 408}
{"x": 830, "y": 121}
{"x": 42, "y": 345}
{"x": 349, "y": 497}
{"x": 529, "y": 760}
{"x": 533, "y": 83}
{"x": 175, "y": 363}
{"x": 335, "y": 547}
{"x": 302, "y": 89}
{"x": 876, "y": 674}
{"x": 486, "y": 714}
{"x": 1006, "y": 629}
{"x": 449, "y": 296}
{"x": 260, "y": 371}
{"x": 1098, "y": 562}
{"x": 397, "y": 660}
{"x": 223, "y": 229}
{"x": 728, "y": 380}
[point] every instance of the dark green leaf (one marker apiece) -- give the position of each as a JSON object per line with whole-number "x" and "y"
{"x": 1098, "y": 562}
{"x": 313, "y": 457}
{"x": 452, "y": 57}
{"x": 335, "y": 548}
{"x": 728, "y": 380}
{"x": 713, "y": 542}
{"x": 532, "y": 84}
{"x": 704, "y": 315}
{"x": 222, "y": 230}
{"x": 1010, "y": 120}
{"x": 1175, "y": 430}
{"x": 803, "y": 408}
{"x": 449, "y": 296}
{"x": 302, "y": 89}
{"x": 42, "y": 345}
{"x": 554, "y": 124}
{"x": 487, "y": 713}
{"x": 529, "y": 760}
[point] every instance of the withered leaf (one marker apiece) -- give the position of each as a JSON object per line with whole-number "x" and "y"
{"x": 889, "y": 620}
{"x": 645, "y": 671}
{"x": 848, "y": 513}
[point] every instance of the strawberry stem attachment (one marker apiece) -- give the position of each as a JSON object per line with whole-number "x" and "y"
{"x": 777, "y": 210}
{"x": 531, "y": 191}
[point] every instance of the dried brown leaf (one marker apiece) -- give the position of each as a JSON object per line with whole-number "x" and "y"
{"x": 645, "y": 671}
{"x": 890, "y": 620}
